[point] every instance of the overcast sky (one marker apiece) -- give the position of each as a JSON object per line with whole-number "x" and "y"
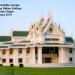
{"x": 63, "y": 12}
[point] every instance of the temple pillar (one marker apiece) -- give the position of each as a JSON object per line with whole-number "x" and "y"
{"x": 33, "y": 55}
{"x": 40, "y": 55}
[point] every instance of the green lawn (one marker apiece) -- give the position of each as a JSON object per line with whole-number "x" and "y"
{"x": 36, "y": 71}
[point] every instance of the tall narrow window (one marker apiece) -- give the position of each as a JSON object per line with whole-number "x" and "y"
{"x": 70, "y": 50}
{"x": 20, "y": 50}
{"x": 36, "y": 50}
{"x": 70, "y": 59}
{"x": 20, "y": 60}
{"x": 3, "y": 60}
{"x": 4, "y": 51}
{"x": 50, "y": 30}
{"x": 10, "y": 60}
{"x": 11, "y": 51}
{"x": 28, "y": 51}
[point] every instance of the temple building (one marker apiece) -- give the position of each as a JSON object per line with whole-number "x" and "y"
{"x": 43, "y": 45}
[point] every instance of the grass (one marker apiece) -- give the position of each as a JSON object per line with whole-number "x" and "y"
{"x": 36, "y": 71}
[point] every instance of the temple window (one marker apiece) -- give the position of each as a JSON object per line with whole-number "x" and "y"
{"x": 20, "y": 50}
{"x": 4, "y": 51}
{"x": 50, "y": 30}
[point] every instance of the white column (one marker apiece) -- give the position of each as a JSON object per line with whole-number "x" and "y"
{"x": 59, "y": 55}
{"x": 33, "y": 55}
{"x": 40, "y": 55}
{"x": 63, "y": 55}
{"x": 15, "y": 57}
{"x": 24, "y": 56}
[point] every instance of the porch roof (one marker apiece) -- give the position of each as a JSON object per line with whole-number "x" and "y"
{"x": 43, "y": 45}
{"x": 20, "y": 33}
{"x": 5, "y": 38}
{"x": 22, "y": 45}
{"x": 69, "y": 40}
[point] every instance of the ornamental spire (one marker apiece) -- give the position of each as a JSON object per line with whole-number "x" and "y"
{"x": 49, "y": 14}
{"x": 41, "y": 19}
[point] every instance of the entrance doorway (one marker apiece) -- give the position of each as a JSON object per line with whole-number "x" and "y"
{"x": 50, "y": 54}
{"x": 48, "y": 60}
